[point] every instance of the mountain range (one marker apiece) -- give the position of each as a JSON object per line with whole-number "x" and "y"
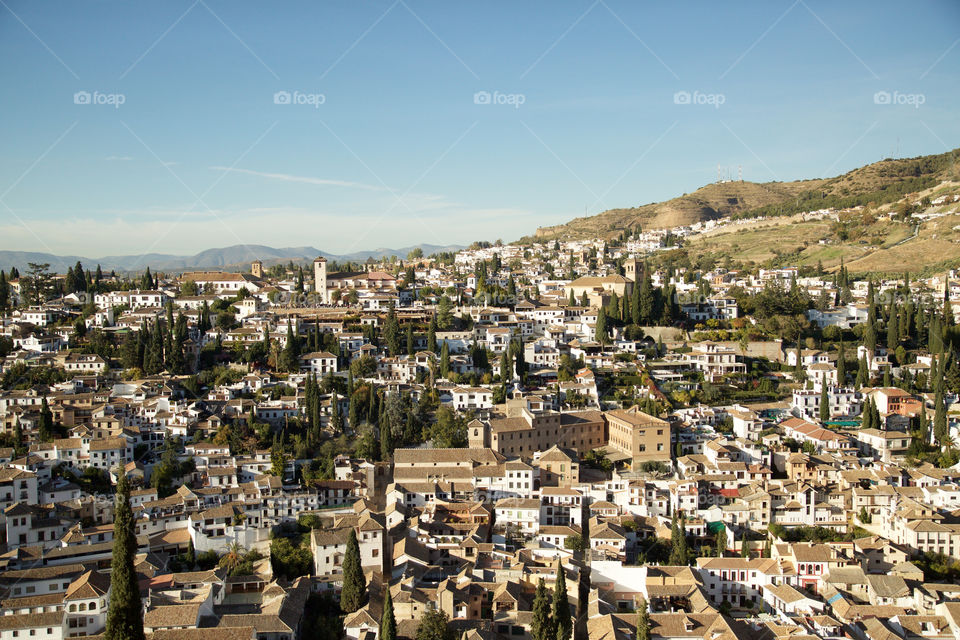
{"x": 236, "y": 257}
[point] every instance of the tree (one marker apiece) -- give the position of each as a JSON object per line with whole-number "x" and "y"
{"x": 386, "y": 440}
{"x": 432, "y": 335}
{"x": 391, "y": 331}
{"x": 506, "y": 366}
{"x": 678, "y": 538}
{"x": 45, "y": 427}
{"x": 603, "y": 337}
{"x": 125, "y": 615}
{"x": 388, "y": 623}
{"x": 4, "y": 291}
{"x": 542, "y": 626}
{"x": 643, "y": 620}
{"x": 444, "y": 313}
{"x": 444, "y": 360}
{"x": 354, "y": 582}
{"x": 449, "y": 430}
{"x": 574, "y": 543}
{"x": 940, "y": 430}
{"x": 841, "y": 365}
{"x": 613, "y": 306}
{"x": 38, "y": 281}
{"x": 336, "y": 418}
{"x": 290, "y": 356}
{"x": 824, "y": 401}
{"x": 561, "y": 606}
{"x": 434, "y": 626}
{"x": 893, "y": 329}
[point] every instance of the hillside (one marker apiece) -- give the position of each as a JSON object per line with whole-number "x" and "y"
{"x": 871, "y": 241}
{"x": 881, "y": 182}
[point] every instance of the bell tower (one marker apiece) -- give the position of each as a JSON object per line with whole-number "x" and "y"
{"x": 320, "y": 278}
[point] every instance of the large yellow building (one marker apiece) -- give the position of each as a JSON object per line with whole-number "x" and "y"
{"x": 638, "y": 435}
{"x": 526, "y": 432}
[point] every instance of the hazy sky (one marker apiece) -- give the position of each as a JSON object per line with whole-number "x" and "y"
{"x": 134, "y": 127}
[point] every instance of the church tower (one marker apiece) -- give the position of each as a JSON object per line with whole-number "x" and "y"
{"x": 320, "y": 278}
{"x": 632, "y": 269}
{"x": 256, "y": 269}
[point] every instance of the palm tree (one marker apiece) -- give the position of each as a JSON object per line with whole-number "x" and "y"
{"x": 232, "y": 558}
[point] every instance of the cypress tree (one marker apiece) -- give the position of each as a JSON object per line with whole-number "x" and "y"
{"x": 824, "y": 401}
{"x": 432, "y": 335}
{"x": 842, "y": 365}
{"x": 870, "y": 337}
{"x": 647, "y": 299}
{"x": 940, "y": 430}
{"x": 354, "y": 582}
{"x": 388, "y": 623}
{"x": 371, "y": 405}
{"x": 947, "y": 311}
{"x": 867, "y": 415}
{"x": 125, "y": 615}
{"x": 613, "y": 306}
{"x": 18, "y": 445}
{"x": 601, "y": 328}
{"x": 336, "y": 419}
{"x": 542, "y": 627}
{"x": 386, "y": 440}
{"x": 684, "y": 553}
{"x": 290, "y": 357}
{"x": 410, "y": 351}
{"x": 678, "y": 539}
{"x": 520, "y": 361}
{"x": 924, "y": 424}
{"x": 893, "y": 330}
{"x": 444, "y": 360}
{"x": 561, "y": 606}
{"x": 643, "y": 620}
{"x": 391, "y": 331}
{"x": 45, "y": 428}
{"x": 863, "y": 373}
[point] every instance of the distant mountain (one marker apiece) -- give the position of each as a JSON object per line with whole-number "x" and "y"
{"x": 227, "y": 258}
{"x": 880, "y": 182}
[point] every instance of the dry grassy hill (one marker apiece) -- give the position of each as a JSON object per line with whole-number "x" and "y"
{"x": 867, "y": 242}
{"x": 878, "y": 183}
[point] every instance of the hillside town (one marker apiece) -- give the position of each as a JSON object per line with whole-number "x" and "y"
{"x": 608, "y": 439}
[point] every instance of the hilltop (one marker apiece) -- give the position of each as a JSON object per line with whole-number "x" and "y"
{"x": 878, "y": 183}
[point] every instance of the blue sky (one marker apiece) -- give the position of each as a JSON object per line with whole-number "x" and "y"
{"x": 388, "y": 138}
